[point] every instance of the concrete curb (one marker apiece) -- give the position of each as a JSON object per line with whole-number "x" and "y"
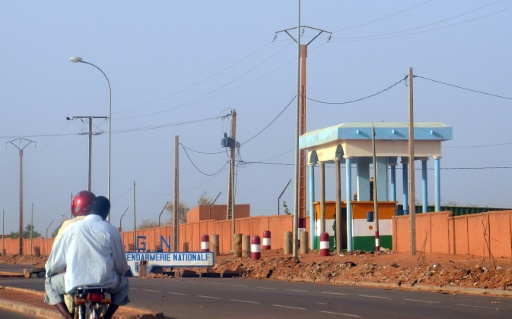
{"x": 124, "y": 312}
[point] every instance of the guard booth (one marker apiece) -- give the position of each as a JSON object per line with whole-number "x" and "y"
{"x": 363, "y": 237}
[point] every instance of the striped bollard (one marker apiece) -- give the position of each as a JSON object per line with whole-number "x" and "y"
{"x": 205, "y": 243}
{"x": 255, "y": 248}
{"x": 324, "y": 244}
{"x": 266, "y": 240}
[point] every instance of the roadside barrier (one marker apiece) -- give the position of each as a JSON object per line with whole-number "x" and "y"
{"x": 266, "y": 240}
{"x": 324, "y": 244}
{"x": 205, "y": 243}
{"x": 255, "y": 248}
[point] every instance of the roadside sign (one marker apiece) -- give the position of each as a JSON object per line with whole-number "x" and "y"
{"x": 174, "y": 259}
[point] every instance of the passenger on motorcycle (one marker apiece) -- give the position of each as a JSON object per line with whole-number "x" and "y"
{"x": 92, "y": 254}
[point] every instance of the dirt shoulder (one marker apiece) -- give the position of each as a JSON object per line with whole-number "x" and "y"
{"x": 388, "y": 267}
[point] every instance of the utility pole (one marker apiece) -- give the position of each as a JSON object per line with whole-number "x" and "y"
{"x": 176, "y": 220}
{"x": 375, "y": 193}
{"x": 231, "y": 179}
{"x": 3, "y": 232}
{"x": 90, "y": 118}
{"x": 31, "y": 227}
{"x": 134, "y": 219}
{"x": 412, "y": 202}
{"x": 21, "y": 145}
{"x": 300, "y": 165}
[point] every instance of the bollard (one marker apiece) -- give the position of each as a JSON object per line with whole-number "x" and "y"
{"x": 215, "y": 245}
{"x": 205, "y": 243}
{"x": 303, "y": 237}
{"x": 287, "y": 246}
{"x": 266, "y": 240}
{"x": 255, "y": 248}
{"x": 237, "y": 245}
{"x": 324, "y": 244}
{"x": 246, "y": 246}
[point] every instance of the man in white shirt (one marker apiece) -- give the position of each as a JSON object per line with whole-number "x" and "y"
{"x": 92, "y": 254}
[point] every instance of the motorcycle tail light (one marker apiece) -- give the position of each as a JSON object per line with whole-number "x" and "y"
{"x": 79, "y": 302}
{"x": 95, "y": 297}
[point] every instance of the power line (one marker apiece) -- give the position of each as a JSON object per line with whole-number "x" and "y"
{"x": 271, "y": 122}
{"x": 385, "y": 17}
{"x": 363, "y": 98}
{"x": 463, "y": 88}
{"x": 197, "y": 168}
{"x": 397, "y": 33}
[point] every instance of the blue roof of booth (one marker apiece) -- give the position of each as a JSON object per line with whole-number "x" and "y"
{"x": 429, "y": 131}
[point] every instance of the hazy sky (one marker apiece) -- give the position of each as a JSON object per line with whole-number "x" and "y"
{"x": 172, "y": 64}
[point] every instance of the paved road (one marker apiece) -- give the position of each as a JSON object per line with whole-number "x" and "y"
{"x": 246, "y": 298}
{"x": 4, "y": 314}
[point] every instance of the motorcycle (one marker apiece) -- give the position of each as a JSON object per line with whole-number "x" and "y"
{"x": 90, "y": 302}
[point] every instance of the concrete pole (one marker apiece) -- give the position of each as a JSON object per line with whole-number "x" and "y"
{"x": 338, "y": 204}
{"x": 215, "y": 244}
{"x": 134, "y": 219}
{"x": 287, "y": 244}
{"x": 246, "y": 246}
{"x": 312, "y": 224}
{"x": 304, "y": 248}
{"x": 437, "y": 182}
{"x": 412, "y": 204}
{"x": 348, "y": 173}
{"x": 176, "y": 219}
{"x": 322, "y": 197}
{"x": 424, "y": 184}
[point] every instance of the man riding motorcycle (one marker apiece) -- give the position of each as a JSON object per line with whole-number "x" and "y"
{"x": 92, "y": 254}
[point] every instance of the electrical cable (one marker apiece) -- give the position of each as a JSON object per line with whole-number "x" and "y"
{"x": 363, "y": 98}
{"x": 396, "y": 33}
{"x": 197, "y": 168}
{"x": 463, "y": 88}
{"x": 271, "y": 122}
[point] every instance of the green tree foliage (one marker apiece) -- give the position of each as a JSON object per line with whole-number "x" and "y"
{"x": 205, "y": 199}
{"x": 182, "y": 212}
{"x": 147, "y": 223}
{"x": 286, "y": 210}
{"x": 26, "y": 233}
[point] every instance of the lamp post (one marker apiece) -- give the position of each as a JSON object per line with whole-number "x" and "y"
{"x": 48, "y": 227}
{"x": 76, "y": 59}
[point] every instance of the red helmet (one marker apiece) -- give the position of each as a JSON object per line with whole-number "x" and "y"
{"x": 81, "y": 204}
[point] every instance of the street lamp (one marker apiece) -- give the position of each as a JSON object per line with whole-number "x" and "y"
{"x": 76, "y": 59}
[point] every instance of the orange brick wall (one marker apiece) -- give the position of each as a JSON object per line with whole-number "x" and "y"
{"x": 477, "y": 234}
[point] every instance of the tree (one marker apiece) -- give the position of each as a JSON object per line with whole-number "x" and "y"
{"x": 205, "y": 199}
{"x": 147, "y": 223}
{"x": 26, "y": 232}
{"x": 286, "y": 210}
{"x": 182, "y": 212}
{"x": 56, "y": 231}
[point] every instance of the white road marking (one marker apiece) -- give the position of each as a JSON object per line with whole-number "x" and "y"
{"x": 245, "y": 301}
{"x": 209, "y": 297}
{"x": 213, "y": 283}
{"x": 150, "y": 290}
{"x": 333, "y": 293}
{"x": 289, "y": 307}
{"x": 177, "y": 293}
{"x": 239, "y": 286}
{"x": 427, "y": 301}
{"x": 341, "y": 314}
{"x": 296, "y": 290}
{"x": 473, "y": 306}
{"x": 266, "y": 288}
{"x": 370, "y": 296}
